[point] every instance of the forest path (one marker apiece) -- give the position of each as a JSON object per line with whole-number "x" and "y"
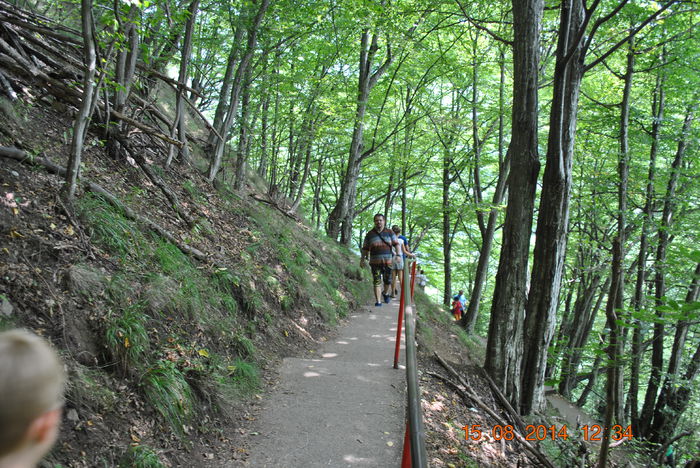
{"x": 345, "y": 408}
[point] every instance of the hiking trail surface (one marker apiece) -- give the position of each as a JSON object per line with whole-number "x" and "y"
{"x": 343, "y": 408}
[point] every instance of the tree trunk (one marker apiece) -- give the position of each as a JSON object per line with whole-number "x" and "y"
{"x": 676, "y": 391}
{"x": 505, "y": 339}
{"x": 664, "y": 234}
{"x": 227, "y": 83}
{"x": 658, "y": 106}
{"x": 660, "y": 278}
{"x": 81, "y": 121}
{"x": 482, "y": 268}
{"x": 124, "y": 77}
{"x": 243, "y": 136}
{"x": 579, "y": 329}
{"x": 446, "y": 227}
{"x": 613, "y": 387}
{"x": 181, "y": 120}
{"x": 252, "y": 31}
{"x": 553, "y": 218}
{"x": 341, "y": 217}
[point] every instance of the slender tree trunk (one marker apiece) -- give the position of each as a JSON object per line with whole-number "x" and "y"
{"x": 227, "y": 83}
{"x": 82, "y": 119}
{"x": 124, "y": 77}
{"x": 263, "y": 166}
{"x": 505, "y": 339}
{"x": 579, "y": 329}
{"x": 658, "y": 106}
{"x": 676, "y": 391}
{"x": 446, "y": 227}
{"x": 664, "y": 234}
{"x": 181, "y": 120}
{"x": 243, "y": 136}
{"x": 252, "y": 31}
{"x": 660, "y": 279}
{"x": 613, "y": 387}
{"x": 341, "y": 217}
{"x": 482, "y": 267}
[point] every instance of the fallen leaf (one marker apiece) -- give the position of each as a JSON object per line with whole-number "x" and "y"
{"x": 135, "y": 438}
{"x": 203, "y": 352}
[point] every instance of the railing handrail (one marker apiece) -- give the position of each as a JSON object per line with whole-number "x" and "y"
{"x": 415, "y": 429}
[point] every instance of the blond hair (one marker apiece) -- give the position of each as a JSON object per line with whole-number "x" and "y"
{"x": 31, "y": 383}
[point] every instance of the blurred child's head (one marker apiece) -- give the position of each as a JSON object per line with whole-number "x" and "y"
{"x": 31, "y": 396}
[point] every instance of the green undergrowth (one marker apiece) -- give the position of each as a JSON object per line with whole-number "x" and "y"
{"x": 141, "y": 456}
{"x": 185, "y": 333}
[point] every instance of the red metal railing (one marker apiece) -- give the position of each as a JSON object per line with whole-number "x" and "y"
{"x": 414, "y": 452}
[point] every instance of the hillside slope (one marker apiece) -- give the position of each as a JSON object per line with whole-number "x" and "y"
{"x": 162, "y": 348}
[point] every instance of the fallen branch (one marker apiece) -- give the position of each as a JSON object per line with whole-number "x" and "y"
{"x": 44, "y": 31}
{"x": 468, "y": 393}
{"x": 662, "y": 450}
{"x": 169, "y": 194}
{"x": 275, "y": 205}
{"x": 145, "y": 128}
{"x": 7, "y": 87}
{"x": 504, "y": 401}
{"x": 21, "y": 156}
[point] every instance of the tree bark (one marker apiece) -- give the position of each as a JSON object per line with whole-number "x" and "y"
{"x": 82, "y": 119}
{"x": 341, "y": 217}
{"x": 505, "y": 339}
{"x": 664, "y": 235}
{"x": 553, "y": 218}
{"x": 232, "y": 110}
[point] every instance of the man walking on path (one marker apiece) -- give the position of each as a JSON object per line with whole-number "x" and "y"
{"x": 378, "y": 246}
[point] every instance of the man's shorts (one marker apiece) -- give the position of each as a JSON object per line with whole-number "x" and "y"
{"x": 379, "y": 272}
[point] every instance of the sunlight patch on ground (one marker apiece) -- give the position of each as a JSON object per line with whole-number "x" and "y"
{"x": 358, "y": 460}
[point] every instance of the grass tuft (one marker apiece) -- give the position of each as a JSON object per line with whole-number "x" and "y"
{"x": 110, "y": 228}
{"x": 169, "y": 393}
{"x": 127, "y": 338}
{"x": 141, "y": 456}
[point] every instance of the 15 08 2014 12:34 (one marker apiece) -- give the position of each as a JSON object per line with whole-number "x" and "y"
{"x": 538, "y": 432}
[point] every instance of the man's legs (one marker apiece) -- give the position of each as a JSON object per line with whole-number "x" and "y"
{"x": 386, "y": 274}
{"x": 377, "y": 283}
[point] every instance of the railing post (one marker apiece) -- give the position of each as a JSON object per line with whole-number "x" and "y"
{"x": 413, "y": 278}
{"x": 399, "y": 324}
{"x": 406, "y": 458}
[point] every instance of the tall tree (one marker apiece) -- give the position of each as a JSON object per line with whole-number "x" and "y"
{"x": 505, "y": 339}
{"x": 341, "y": 217}
{"x": 83, "y": 118}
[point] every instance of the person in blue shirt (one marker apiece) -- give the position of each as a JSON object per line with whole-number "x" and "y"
{"x": 461, "y": 297}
